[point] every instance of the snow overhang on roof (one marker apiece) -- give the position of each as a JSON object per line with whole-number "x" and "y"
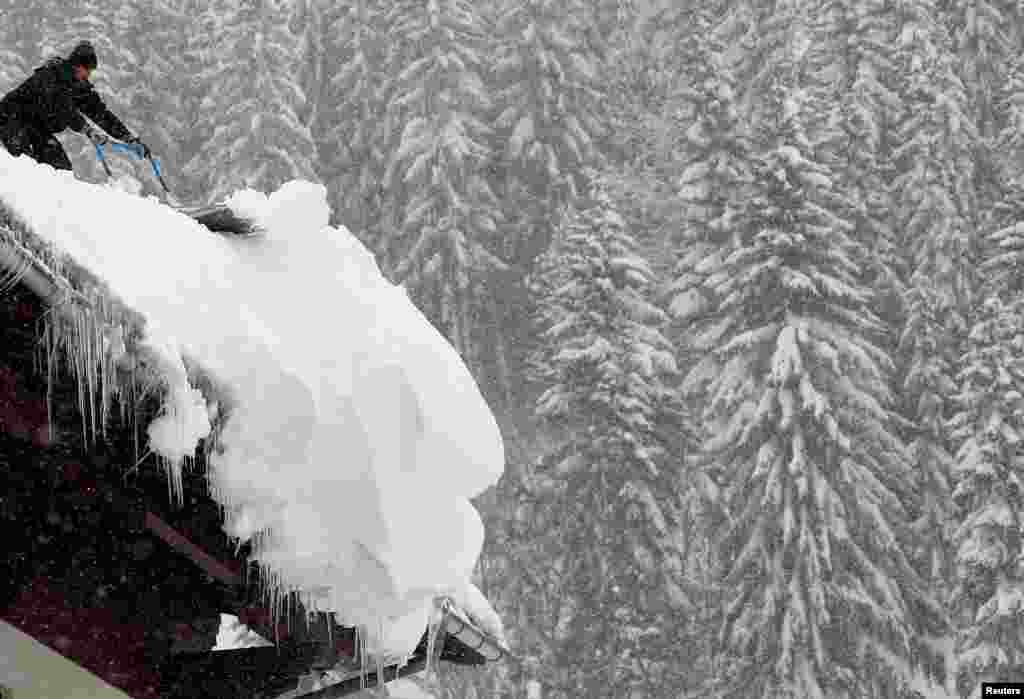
{"x": 19, "y": 264}
{"x": 69, "y": 282}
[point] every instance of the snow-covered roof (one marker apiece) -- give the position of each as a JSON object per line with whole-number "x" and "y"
{"x": 350, "y": 436}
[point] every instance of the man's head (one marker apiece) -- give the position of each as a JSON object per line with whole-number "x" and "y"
{"x": 83, "y": 60}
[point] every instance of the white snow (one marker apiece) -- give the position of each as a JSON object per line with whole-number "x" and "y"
{"x": 473, "y": 602}
{"x": 234, "y": 634}
{"x": 356, "y": 435}
{"x": 914, "y": 678}
{"x": 184, "y": 419}
{"x": 407, "y": 689}
{"x": 687, "y": 304}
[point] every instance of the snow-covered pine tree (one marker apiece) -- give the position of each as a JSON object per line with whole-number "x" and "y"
{"x": 15, "y": 68}
{"x": 530, "y": 596}
{"x": 826, "y": 602}
{"x": 707, "y": 168}
{"x": 354, "y": 138}
{"x": 635, "y": 90}
{"x": 851, "y": 47}
{"x": 927, "y": 387}
{"x": 202, "y": 63}
{"x": 607, "y": 29}
{"x": 937, "y": 212}
{"x": 610, "y": 482}
{"x": 439, "y": 243}
{"x": 153, "y": 35}
{"x": 712, "y": 163}
{"x": 608, "y": 24}
{"x": 1008, "y": 142}
{"x": 986, "y": 35}
{"x": 989, "y": 426}
{"x": 933, "y": 158}
{"x": 1003, "y": 267}
{"x": 19, "y": 39}
{"x": 54, "y": 18}
{"x": 257, "y": 139}
{"x": 549, "y": 120}
{"x": 308, "y": 21}
{"x": 757, "y": 34}
{"x": 988, "y": 465}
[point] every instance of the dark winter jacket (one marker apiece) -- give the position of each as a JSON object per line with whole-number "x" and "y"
{"x": 51, "y": 100}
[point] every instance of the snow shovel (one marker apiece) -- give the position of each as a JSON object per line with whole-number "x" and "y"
{"x": 219, "y": 218}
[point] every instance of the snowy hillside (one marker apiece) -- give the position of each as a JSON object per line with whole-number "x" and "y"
{"x": 352, "y": 436}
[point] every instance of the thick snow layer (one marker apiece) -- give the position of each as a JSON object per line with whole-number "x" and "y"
{"x": 357, "y": 435}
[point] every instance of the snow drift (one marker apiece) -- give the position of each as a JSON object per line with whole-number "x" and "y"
{"x": 356, "y": 435}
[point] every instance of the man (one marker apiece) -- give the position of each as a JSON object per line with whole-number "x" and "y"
{"x": 53, "y": 99}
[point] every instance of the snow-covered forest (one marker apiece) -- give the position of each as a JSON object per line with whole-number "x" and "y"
{"x": 739, "y": 278}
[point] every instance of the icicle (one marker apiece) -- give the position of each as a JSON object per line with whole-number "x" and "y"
{"x": 380, "y": 656}
{"x": 266, "y": 588}
{"x": 50, "y": 349}
{"x": 74, "y": 346}
{"x": 135, "y": 412}
{"x": 96, "y": 372}
{"x": 288, "y": 609}
{"x": 40, "y": 349}
{"x": 267, "y": 592}
{"x": 283, "y": 602}
{"x": 434, "y": 628}
{"x": 329, "y": 620}
{"x": 91, "y": 379}
{"x": 364, "y": 657}
{"x": 278, "y": 606}
{"x": 76, "y": 349}
{"x": 88, "y": 376}
{"x": 108, "y": 387}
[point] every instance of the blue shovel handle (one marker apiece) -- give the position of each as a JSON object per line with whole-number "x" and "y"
{"x": 138, "y": 151}
{"x": 133, "y": 148}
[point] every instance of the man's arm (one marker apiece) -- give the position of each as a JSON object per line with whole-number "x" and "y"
{"x": 90, "y": 103}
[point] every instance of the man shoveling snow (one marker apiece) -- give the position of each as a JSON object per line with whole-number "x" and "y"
{"x": 53, "y": 99}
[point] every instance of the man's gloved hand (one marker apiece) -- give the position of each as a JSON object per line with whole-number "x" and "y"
{"x": 146, "y": 153}
{"x": 96, "y": 136}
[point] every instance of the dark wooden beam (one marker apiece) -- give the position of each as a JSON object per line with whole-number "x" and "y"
{"x": 214, "y": 568}
{"x": 355, "y": 684}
